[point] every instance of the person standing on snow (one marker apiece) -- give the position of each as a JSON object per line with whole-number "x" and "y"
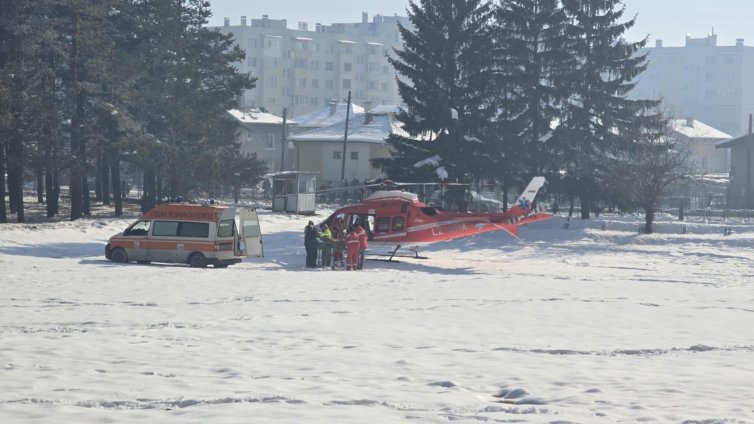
{"x": 327, "y": 243}
{"x": 363, "y": 243}
{"x": 310, "y": 243}
{"x": 352, "y": 248}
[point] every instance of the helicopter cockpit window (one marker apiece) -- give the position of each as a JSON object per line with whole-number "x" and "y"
{"x": 382, "y": 225}
{"x": 429, "y": 211}
{"x": 398, "y": 223}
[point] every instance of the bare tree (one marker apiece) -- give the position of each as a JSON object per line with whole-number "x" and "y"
{"x": 656, "y": 162}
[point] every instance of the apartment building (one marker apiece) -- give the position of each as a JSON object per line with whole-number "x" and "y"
{"x": 701, "y": 80}
{"x": 304, "y": 69}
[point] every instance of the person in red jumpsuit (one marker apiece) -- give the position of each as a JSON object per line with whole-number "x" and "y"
{"x": 363, "y": 243}
{"x": 352, "y": 249}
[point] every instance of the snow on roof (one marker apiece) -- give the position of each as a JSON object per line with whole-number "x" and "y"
{"x": 697, "y": 129}
{"x": 256, "y": 116}
{"x": 374, "y": 131}
{"x": 347, "y": 41}
{"x": 323, "y": 117}
{"x": 392, "y": 194}
{"x": 384, "y": 109}
{"x": 303, "y": 38}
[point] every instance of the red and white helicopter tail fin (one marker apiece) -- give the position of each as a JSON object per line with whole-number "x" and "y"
{"x": 524, "y": 201}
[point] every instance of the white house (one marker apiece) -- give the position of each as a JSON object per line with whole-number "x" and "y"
{"x": 321, "y": 149}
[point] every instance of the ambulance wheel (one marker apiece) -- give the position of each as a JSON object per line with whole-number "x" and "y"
{"x": 119, "y": 255}
{"x": 197, "y": 260}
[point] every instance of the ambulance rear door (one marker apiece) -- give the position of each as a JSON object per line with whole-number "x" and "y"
{"x": 251, "y": 233}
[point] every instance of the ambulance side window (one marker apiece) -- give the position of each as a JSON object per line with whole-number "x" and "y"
{"x": 165, "y": 228}
{"x": 140, "y": 228}
{"x": 194, "y": 229}
{"x": 225, "y": 228}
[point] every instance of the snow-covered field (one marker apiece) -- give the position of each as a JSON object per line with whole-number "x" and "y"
{"x": 583, "y": 325}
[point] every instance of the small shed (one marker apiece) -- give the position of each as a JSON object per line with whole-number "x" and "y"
{"x": 294, "y": 191}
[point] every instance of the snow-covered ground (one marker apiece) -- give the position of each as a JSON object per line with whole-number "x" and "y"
{"x": 582, "y": 325}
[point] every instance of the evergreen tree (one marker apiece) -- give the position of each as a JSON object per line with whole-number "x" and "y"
{"x": 532, "y": 54}
{"x": 444, "y": 79}
{"x": 598, "y": 110}
{"x": 187, "y": 83}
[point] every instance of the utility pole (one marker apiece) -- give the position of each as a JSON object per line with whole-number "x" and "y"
{"x": 345, "y": 140}
{"x": 284, "y": 143}
{"x": 748, "y": 165}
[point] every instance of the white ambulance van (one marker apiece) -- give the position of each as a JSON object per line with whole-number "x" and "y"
{"x": 198, "y": 235}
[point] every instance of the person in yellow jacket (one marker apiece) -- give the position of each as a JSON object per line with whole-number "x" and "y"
{"x": 326, "y": 242}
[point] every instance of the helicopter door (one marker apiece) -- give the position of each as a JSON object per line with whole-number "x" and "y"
{"x": 366, "y": 221}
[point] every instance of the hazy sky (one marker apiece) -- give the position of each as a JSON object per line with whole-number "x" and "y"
{"x": 669, "y": 20}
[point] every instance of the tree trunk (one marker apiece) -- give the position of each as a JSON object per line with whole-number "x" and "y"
{"x": 99, "y": 180}
{"x": 14, "y": 159}
{"x": 148, "y": 194}
{"x": 572, "y": 205}
{"x": 505, "y": 194}
{"x": 40, "y": 181}
{"x": 585, "y": 206}
{"x": 75, "y": 186}
{"x": 649, "y": 217}
{"x": 115, "y": 179}
{"x": 86, "y": 200}
{"x": 52, "y": 199}
{"x": 105, "y": 181}
{"x": 3, "y": 212}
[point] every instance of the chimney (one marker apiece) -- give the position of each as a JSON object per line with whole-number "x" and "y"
{"x": 243, "y": 20}
{"x": 300, "y": 26}
{"x": 265, "y": 16}
{"x": 658, "y": 43}
{"x": 318, "y": 27}
{"x": 364, "y": 17}
{"x": 333, "y": 105}
{"x": 306, "y": 26}
{"x": 368, "y": 117}
{"x": 226, "y": 22}
{"x": 739, "y": 42}
{"x": 690, "y": 122}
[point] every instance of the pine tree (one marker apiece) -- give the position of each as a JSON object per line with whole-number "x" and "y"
{"x": 444, "y": 80}
{"x": 598, "y": 110}
{"x": 187, "y": 83}
{"x": 532, "y": 54}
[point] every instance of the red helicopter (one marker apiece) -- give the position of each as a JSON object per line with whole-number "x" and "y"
{"x": 399, "y": 219}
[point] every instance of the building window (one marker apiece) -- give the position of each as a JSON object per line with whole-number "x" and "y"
{"x": 329, "y": 66}
{"x": 302, "y": 83}
{"x": 337, "y": 155}
{"x": 328, "y": 84}
{"x": 315, "y": 83}
{"x": 346, "y": 83}
{"x": 269, "y": 143}
{"x": 355, "y": 155}
{"x": 347, "y": 67}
